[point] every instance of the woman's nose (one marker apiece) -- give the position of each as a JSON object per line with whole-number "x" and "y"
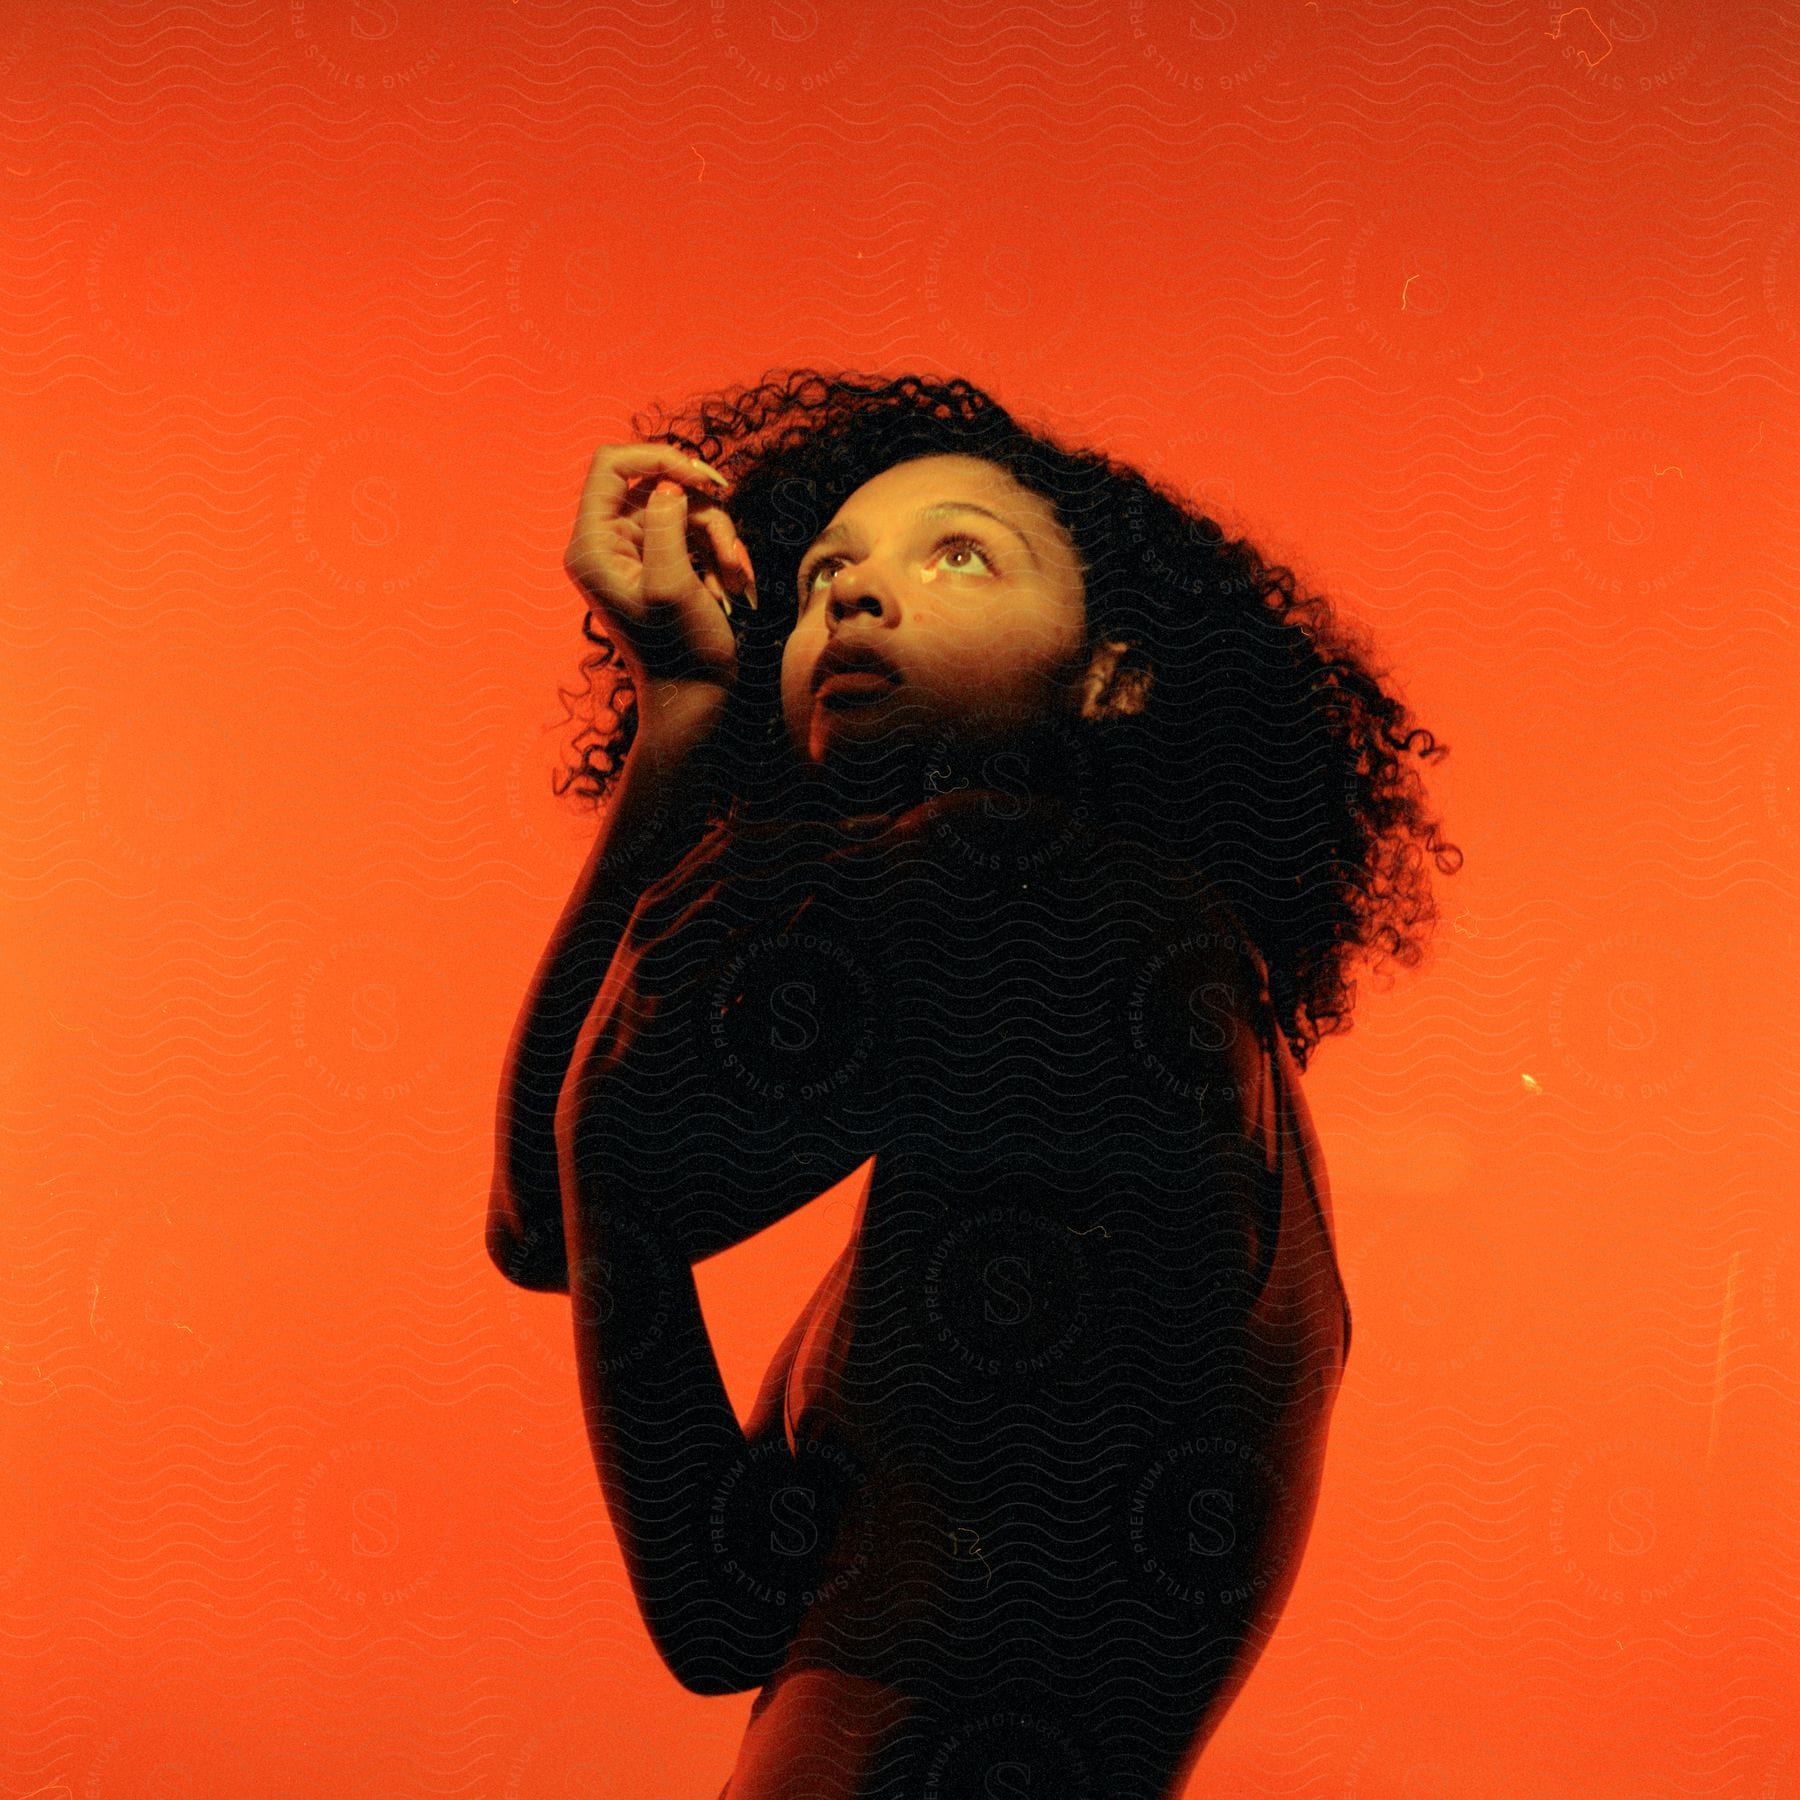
{"x": 852, "y": 591}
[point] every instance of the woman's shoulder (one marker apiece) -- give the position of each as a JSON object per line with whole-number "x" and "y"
{"x": 976, "y": 864}
{"x": 1100, "y": 905}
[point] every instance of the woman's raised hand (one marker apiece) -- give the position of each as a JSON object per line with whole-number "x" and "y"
{"x": 661, "y": 562}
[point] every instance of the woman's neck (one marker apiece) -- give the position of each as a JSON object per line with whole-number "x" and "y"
{"x": 871, "y": 788}
{"x": 1046, "y": 768}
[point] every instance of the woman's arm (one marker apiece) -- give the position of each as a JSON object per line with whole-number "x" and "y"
{"x": 723, "y": 1533}
{"x": 657, "y": 815}
{"x": 633, "y": 555}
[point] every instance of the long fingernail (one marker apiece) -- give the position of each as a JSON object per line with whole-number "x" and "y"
{"x": 722, "y": 480}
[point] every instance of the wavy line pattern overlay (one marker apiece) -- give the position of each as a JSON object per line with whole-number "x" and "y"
{"x": 1483, "y": 317}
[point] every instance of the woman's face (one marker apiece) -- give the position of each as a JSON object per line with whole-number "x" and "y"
{"x": 943, "y": 598}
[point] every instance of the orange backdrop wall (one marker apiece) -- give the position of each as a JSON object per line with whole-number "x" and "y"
{"x": 1485, "y": 317}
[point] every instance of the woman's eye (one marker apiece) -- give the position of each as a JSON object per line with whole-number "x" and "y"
{"x": 954, "y": 553}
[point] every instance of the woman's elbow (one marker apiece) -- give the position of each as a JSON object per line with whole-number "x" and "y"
{"x": 717, "y": 1670}
{"x": 534, "y": 1259}
{"x": 713, "y": 1681}
{"x": 716, "y": 1651}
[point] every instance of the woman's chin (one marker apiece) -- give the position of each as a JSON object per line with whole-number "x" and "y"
{"x": 855, "y": 729}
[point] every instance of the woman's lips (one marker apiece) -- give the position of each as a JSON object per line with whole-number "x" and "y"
{"x": 856, "y": 687}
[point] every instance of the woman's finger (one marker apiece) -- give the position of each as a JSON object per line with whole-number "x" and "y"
{"x": 606, "y": 490}
{"x": 616, "y": 466}
{"x": 729, "y": 555}
{"x": 668, "y": 570}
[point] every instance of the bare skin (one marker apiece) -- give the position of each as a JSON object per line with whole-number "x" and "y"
{"x": 978, "y": 1610}
{"x": 629, "y": 555}
{"x": 963, "y": 583}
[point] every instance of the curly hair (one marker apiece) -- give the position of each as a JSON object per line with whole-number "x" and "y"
{"x": 1268, "y": 755}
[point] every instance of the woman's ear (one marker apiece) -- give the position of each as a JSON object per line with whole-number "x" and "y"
{"x": 1117, "y": 682}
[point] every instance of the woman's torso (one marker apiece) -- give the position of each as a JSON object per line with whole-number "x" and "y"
{"x": 1060, "y": 1407}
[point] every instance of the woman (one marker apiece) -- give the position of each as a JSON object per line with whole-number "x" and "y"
{"x": 988, "y": 814}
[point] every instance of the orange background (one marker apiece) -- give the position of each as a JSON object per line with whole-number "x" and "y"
{"x": 1486, "y": 319}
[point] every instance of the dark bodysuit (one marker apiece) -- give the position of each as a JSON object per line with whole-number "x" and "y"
{"x": 1029, "y": 1480}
